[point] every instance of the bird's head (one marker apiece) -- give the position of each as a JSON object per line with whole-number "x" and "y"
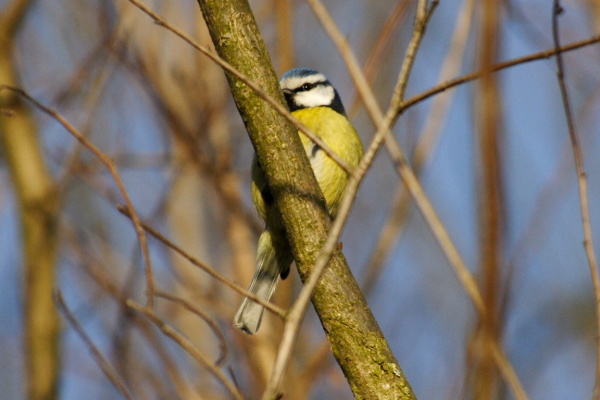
{"x": 306, "y": 88}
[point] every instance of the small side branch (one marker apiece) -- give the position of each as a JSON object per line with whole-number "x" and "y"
{"x": 102, "y": 362}
{"x": 588, "y": 242}
{"x": 111, "y": 167}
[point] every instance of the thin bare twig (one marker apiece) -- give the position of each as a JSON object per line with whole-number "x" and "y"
{"x": 427, "y": 139}
{"x": 102, "y": 362}
{"x": 542, "y": 55}
{"x": 229, "y": 68}
{"x": 206, "y": 268}
{"x": 588, "y": 242}
{"x": 384, "y": 124}
{"x": 375, "y": 59}
{"x": 112, "y": 169}
{"x": 421, "y": 19}
{"x": 508, "y": 372}
{"x": 298, "y": 310}
{"x": 85, "y": 257}
{"x": 185, "y": 344}
{"x": 205, "y": 317}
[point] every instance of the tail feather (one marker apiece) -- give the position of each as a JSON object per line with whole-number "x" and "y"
{"x": 249, "y": 315}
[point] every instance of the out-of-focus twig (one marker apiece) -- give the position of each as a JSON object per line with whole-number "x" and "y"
{"x": 483, "y": 371}
{"x": 285, "y": 34}
{"x": 256, "y": 88}
{"x": 102, "y": 362}
{"x": 508, "y": 372}
{"x": 12, "y": 14}
{"x": 203, "y": 266}
{"x": 374, "y": 60}
{"x": 37, "y": 197}
{"x": 109, "y": 164}
{"x": 83, "y": 255}
{"x": 188, "y": 347}
{"x": 588, "y": 242}
{"x": 205, "y": 317}
{"x": 427, "y": 139}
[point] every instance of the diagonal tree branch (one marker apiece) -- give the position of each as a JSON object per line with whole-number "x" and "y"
{"x": 355, "y": 337}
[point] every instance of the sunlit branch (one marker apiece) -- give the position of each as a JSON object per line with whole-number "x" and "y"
{"x": 299, "y": 308}
{"x": 383, "y": 134}
{"x": 257, "y": 89}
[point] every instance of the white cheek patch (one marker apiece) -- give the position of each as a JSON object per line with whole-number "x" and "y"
{"x": 321, "y": 95}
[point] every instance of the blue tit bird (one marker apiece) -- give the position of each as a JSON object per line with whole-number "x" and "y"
{"x": 314, "y": 102}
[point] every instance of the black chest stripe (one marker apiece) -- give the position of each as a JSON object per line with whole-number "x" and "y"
{"x": 315, "y": 149}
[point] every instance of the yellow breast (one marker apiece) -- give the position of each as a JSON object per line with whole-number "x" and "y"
{"x": 340, "y": 136}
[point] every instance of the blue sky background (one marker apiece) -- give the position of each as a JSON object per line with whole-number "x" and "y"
{"x": 549, "y": 327}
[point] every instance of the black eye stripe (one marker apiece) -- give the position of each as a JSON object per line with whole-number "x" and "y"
{"x": 309, "y": 86}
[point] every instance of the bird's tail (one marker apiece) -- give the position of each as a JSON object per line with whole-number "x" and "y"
{"x": 263, "y": 284}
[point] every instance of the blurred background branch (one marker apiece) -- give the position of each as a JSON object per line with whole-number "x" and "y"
{"x": 38, "y": 201}
{"x": 487, "y": 113}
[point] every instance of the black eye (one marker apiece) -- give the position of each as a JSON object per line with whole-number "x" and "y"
{"x": 305, "y": 87}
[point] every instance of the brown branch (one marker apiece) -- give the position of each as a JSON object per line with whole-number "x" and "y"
{"x": 205, "y": 317}
{"x": 282, "y": 110}
{"x": 102, "y": 362}
{"x": 11, "y": 17}
{"x": 588, "y": 242}
{"x": 542, "y": 55}
{"x": 487, "y": 109}
{"x": 186, "y": 345}
{"x": 404, "y": 169}
{"x": 237, "y": 39}
{"x": 112, "y": 169}
{"x": 38, "y": 204}
{"x": 206, "y": 268}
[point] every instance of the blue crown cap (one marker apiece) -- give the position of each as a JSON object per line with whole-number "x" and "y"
{"x": 299, "y": 72}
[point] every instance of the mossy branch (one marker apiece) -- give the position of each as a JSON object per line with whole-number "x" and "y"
{"x": 354, "y": 335}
